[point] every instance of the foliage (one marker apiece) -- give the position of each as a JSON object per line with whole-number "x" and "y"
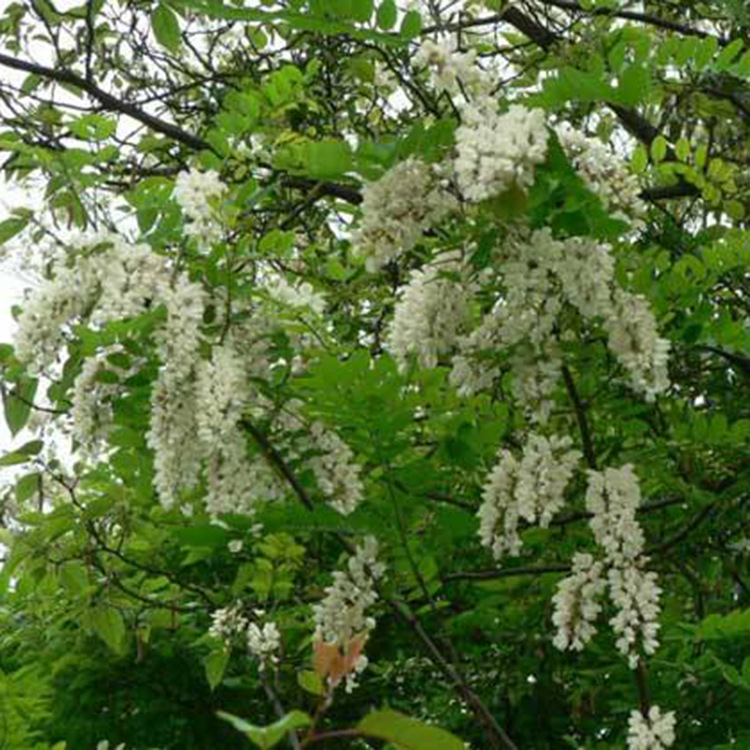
{"x": 241, "y": 153}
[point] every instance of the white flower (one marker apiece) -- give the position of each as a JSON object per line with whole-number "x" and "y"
{"x": 653, "y": 733}
{"x": 604, "y": 172}
{"x": 302, "y": 295}
{"x": 197, "y": 194}
{"x": 634, "y": 339}
{"x": 448, "y": 67}
{"x": 495, "y": 152}
{"x": 335, "y": 470}
{"x": 235, "y": 546}
{"x": 227, "y": 623}
{"x": 341, "y": 617}
{"x": 613, "y": 497}
{"x": 264, "y": 643}
{"x": 397, "y": 208}
{"x": 635, "y": 594}
{"x": 430, "y": 313}
{"x": 532, "y": 489}
{"x": 341, "y": 620}
{"x": 540, "y": 276}
{"x": 577, "y": 603}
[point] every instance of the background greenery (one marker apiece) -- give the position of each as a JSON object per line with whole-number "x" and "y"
{"x": 106, "y": 598}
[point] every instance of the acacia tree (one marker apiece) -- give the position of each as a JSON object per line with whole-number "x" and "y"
{"x": 402, "y": 357}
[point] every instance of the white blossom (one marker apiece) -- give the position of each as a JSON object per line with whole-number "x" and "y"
{"x": 198, "y": 193}
{"x": 653, "y": 733}
{"x": 430, "y": 313}
{"x": 117, "y": 282}
{"x": 449, "y": 68}
{"x": 264, "y": 643}
{"x": 613, "y": 497}
{"x": 634, "y": 339}
{"x": 635, "y": 594}
{"x": 228, "y": 623}
{"x": 173, "y": 428}
{"x": 577, "y": 603}
{"x": 397, "y": 208}
{"x": 302, "y": 295}
{"x": 540, "y": 275}
{"x": 336, "y": 472}
{"x": 498, "y": 514}
{"x": 532, "y": 489}
{"x": 341, "y": 618}
{"x": 604, "y": 172}
{"x": 497, "y": 151}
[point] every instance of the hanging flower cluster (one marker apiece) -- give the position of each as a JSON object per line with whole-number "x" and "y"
{"x": 613, "y": 497}
{"x": 540, "y": 275}
{"x": 450, "y": 70}
{"x": 342, "y": 623}
{"x": 198, "y": 194}
{"x": 604, "y": 173}
{"x": 654, "y": 732}
{"x": 532, "y": 489}
{"x": 431, "y": 312}
{"x": 397, "y": 208}
{"x": 263, "y": 639}
{"x": 495, "y": 152}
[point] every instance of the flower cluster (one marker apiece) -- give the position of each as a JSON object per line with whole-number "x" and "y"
{"x": 341, "y": 620}
{"x": 540, "y": 275}
{"x": 577, "y": 604}
{"x": 613, "y": 497}
{"x": 264, "y": 643}
{"x": 654, "y": 732}
{"x": 430, "y": 313}
{"x": 302, "y": 295}
{"x": 263, "y": 638}
{"x": 198, "y": 193}
{"x": 495, "y": 152}
{"x": 604, "y": 173}
{"x": 337, "y": 474}
{"x": 227, "y": 623}
{"x": 173, "y": 428}
{"x": 450, "y": 69}
{"x": 111, "y": 279}
{"x": 532, "y": 489}
{"x": 397, "y": 208}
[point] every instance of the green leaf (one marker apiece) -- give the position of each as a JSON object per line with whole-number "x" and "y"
{"x": 408, "y": 733}
{"x": 27, "y": 485}
{"x": 11, "y": 227}
{"x": 215, "y": 665}
{"x": 682, "y": 149}
{"x": 202, "y": 535}
{"x": 362, "y": 10}
{"x": 311, "y": 682}
{"x": 108, "y": 624}
{"x": 73, "y": 577}
{"x": 270, "y": 736}
{"x": 659, "y": 148}
{"x": 166, "y": 27}
{"x": 17, "y": 404}
{"x": 411, "y": 26}
{"x": 386, "y": 15}
{"x": 639, "y": 160}
{"x": 328, "y": 159}
{"x": 725, "y": 59}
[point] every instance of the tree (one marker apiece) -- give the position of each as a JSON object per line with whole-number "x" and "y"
{"x": 387, "y": 370}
